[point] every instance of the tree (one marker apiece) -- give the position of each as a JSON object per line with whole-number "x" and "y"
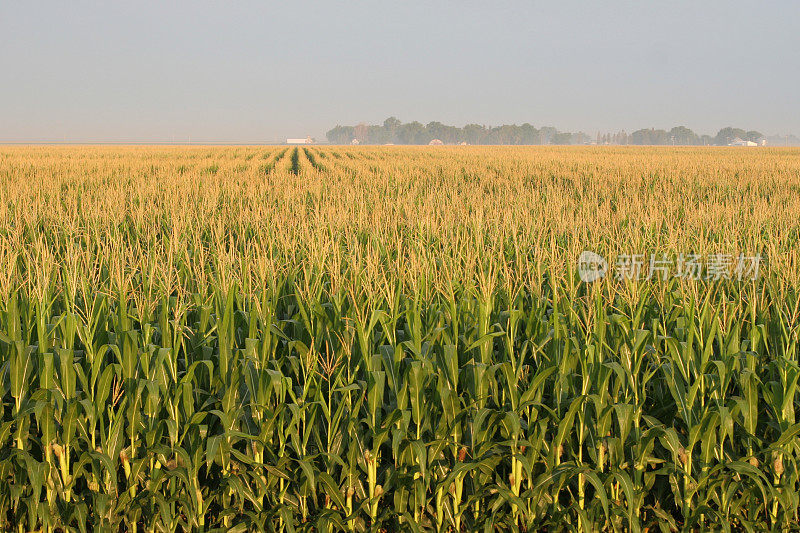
{"x": 725, "y": 136}
{"x": 474, "y": 134}
{"x": 378, "y": 135}
{"x": 561, "y": 137}
{"x": 391, "y": 123}
{"x": 435, "y": 130}
{"x": 546, "y": 134}
{"x": 410, "y": 133}
{"x": 753, "y": 135}
{"x": 360, "y": 132}
{"x": 650, "y": 137}
{"x": 391, "y": 126}
{"x": 528, "y": 134}
{"x": 341, "y": 135}
{"x": 684, "y": 136}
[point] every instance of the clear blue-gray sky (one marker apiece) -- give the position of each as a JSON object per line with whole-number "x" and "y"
{"x": 256, "y": 71}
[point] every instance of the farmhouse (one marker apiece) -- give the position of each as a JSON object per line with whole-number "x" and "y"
{"x": 741, "y": 142}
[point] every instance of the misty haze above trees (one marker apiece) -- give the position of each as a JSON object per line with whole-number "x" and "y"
{"x": 393, "y": 131}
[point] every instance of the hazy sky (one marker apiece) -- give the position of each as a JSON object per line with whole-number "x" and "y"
{"x": 253, "y": 71}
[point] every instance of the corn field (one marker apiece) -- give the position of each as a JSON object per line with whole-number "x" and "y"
{"x": 395, "y": 339}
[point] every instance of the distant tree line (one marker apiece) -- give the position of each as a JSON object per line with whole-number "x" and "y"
{"x": 393, "y": 131}
{"x": 682, "y": 135}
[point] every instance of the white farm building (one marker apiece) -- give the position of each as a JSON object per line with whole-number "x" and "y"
{"x": 307, "y": 140}
{"x": 741, "y": 142}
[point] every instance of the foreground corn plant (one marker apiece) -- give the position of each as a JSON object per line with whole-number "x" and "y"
{"x": 247, "y": 339}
